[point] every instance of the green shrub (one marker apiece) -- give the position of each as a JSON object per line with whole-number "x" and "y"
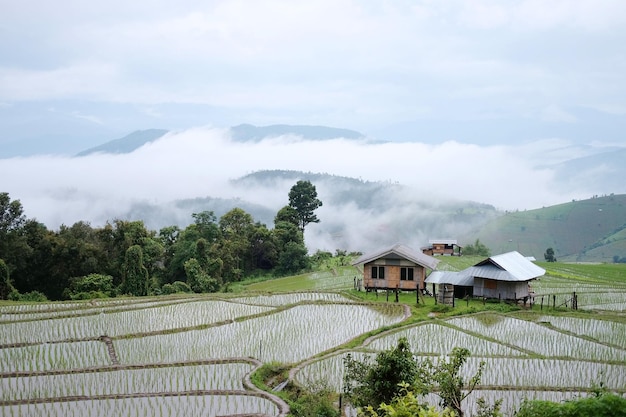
{"x": 28, "y": 296}
{"x": 602, "y": 405}
{"x": 90, "y": 286}
{"x": 176, "y": 287}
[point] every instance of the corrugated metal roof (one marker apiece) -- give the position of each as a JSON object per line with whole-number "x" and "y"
{"x": 401, "y": 251}
{"x": 444, "y": 241}
{"x": 455, "y": 278}
{"x": 510, "y": 266}
{"x": 491, "y": 272}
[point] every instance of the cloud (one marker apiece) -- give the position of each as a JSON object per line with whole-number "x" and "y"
{"x": 347, "y": 62}
{"x": 557, "y": 114}
{"x": 202, "y": 162}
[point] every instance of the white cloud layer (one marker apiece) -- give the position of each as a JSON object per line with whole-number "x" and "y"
{"x": 201, "y": 162}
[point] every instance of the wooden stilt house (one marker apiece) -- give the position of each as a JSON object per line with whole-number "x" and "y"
{"x": 442, "y": 247}
{"x": 397, "y": 267}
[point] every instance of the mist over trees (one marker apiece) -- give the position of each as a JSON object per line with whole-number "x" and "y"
{"x": 125, "y": 257}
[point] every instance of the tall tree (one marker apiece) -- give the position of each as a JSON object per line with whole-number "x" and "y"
{"x": 11, "y": 221}
{"x": 11, "y": 214}
{"x": 287, "y": 214}
{"x": 263, "y": 247}
{"x": 291, "y": 251}
{"x": 207, "y": 227}
{"x": 5, "y": 283}
{"x": 303, "y": 198}
{"x": 236, "y": 228}
{"x": 549, "y": 255}
{"x": 197, "y": 278}
{"x": 135, "y": 274}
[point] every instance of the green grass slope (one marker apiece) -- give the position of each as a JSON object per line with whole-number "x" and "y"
{"x": 592, "y": 230}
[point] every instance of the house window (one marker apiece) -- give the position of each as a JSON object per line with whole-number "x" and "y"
{"x": 491, "y": 284}
{"x": 406, "y": 274}
{"x": 378, "y": 272}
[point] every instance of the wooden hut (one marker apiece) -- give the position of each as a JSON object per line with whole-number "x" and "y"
{"x": 442, "y": 247}
{"x": 395, "y": 268}
{"x": 506, "y": 276}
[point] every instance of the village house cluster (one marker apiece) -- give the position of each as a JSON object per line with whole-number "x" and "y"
{"x": 398, "y": 268}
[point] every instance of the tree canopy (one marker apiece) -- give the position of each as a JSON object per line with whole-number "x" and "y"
{"x": 392, "y": 383}
{"x": 81, "y": 261}
{"x": 549, "y": 255}
{"x": 478, "y": 248}
{"x": 303, "y": 198}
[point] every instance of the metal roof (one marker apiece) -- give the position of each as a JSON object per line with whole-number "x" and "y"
{"x": 444, "y": 241}
{"x": 462, "y": 278}
{"x": 510, "y": 266}
{"x": 401, "y": 251}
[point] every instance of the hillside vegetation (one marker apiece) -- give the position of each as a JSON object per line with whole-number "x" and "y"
{"x": 592, "y": 230}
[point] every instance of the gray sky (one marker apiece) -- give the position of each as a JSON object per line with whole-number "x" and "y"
{"x": 471, "y": 71}
{"x": 485, "y": 93}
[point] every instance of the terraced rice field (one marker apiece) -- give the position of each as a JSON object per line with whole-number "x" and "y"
{"x": 539, "y": 357}
{"x": 193, "y": 355}
{"x": 183, "y": 356}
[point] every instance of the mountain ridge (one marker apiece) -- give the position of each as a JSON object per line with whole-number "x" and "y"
{"x": 240, "y": 133}
{"x": 364, "y": 215}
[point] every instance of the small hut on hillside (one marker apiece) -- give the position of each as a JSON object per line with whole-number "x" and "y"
{"x": 397, "y": 267}
{"x": 506, "y": 276}
{"x": 442, "y": 247}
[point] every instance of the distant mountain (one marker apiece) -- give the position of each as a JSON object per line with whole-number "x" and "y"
{"x": 179, "y": 212}
{"x": 241, "y": 133}
{"x": 356, "y": 214}
{"x": 365, "y": 215}
{"x": 126, "y": 144}
{"x": 247, "y": 132}
{"x": 602, "y": 172}
{"x": 592, "y": 230}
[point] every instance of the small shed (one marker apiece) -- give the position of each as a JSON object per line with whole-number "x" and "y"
{"x": 506, "y": 276}
{"x": 396, "y": 267}
{"x": 442, "y": 247}
{"x": 450, "y": 285}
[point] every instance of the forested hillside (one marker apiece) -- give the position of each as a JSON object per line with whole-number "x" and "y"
{"x": 592, "y": 230}
{"x": 126, "y": 257}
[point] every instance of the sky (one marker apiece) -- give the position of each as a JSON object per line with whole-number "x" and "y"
{"x": 470, "y": 71}
{"x": 485, "y": 93}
